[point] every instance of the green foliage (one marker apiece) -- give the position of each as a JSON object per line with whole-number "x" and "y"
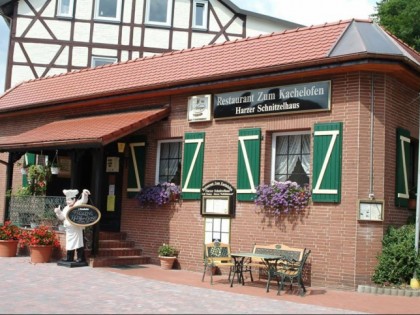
{"x": 166, "y": 250}
{"x": 398, "y": 261}
{"x": 401, "y": 18}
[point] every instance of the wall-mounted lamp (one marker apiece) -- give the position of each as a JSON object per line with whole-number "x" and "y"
{"x": 121, "y": 147}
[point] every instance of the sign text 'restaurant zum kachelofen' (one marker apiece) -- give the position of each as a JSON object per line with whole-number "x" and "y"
{"x": 313, "y": 96}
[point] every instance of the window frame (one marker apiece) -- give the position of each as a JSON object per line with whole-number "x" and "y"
{"x": 212, "y": 232}
{"x": 168, "y": 22}
{"x": 196, "y": 3}
{"x": 117, "y": 17}
{"x": 94, "y": 58}
{"x": 158, "y": 153}
{"x": 59, "y": 13}
{"x": 273, "y": 150}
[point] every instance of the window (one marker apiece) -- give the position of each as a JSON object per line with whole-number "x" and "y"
{"x": 200, "y": 14}
{"x": 169, "y": 155}
{"x": 291, "y": 157}
{"x": 159, "y": 12}
{"x": 100, "y": 61}
{"x": 108, "y": 10}
{"x": 217, "y": 229}
{"x": 65, "y": 8}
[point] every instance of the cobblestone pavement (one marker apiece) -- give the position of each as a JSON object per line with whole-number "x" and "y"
{"x": 50, "y": 289}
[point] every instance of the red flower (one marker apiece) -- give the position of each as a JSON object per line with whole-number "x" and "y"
{"x": 41, "y": 235}
{"x": 9, "y": 231}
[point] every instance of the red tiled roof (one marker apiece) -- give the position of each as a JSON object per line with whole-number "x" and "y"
{"x": 265, "y": 53}
{"x": 94, "y": 130}
{"x": 175, "y": 68}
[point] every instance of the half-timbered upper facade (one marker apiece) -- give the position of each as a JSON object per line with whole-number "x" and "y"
{"x": 51, "y": 37}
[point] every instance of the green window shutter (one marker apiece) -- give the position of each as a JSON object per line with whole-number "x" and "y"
{"x": 30, "y": 159}
{"x": 327, "y": 162}
{"x": 136, "y": 167}
{"x": 248, "y": 174}
{"x": 192, "y": 170}
{"x": 403, "y": 167}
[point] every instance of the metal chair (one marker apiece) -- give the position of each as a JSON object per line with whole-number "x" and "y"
{"x": 217, "y": 254}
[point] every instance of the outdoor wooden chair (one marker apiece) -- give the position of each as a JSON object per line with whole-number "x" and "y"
{"x": 217, "y": 254}
{"x": 292, "y": 270}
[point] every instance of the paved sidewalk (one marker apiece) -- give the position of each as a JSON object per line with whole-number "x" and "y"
{"x": 50, "y": 289}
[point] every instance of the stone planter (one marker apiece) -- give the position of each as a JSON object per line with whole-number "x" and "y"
{"x": 8, "y": 248}
{"x": 166, "y": 262}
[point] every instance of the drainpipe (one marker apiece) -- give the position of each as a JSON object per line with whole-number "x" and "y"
{"x": 372, "y": 121}
{"x": 416, "y": 242}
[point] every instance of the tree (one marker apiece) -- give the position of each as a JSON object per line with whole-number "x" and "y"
{"x": 401, "y": 18}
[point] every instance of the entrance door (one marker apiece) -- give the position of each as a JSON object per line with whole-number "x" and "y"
{"x": 112, "y": 190}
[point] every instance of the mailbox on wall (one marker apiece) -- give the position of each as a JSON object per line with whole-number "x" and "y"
{"x": 218, "y": 199}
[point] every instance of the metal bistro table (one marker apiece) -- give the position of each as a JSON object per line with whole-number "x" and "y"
{"x": 269, "y": 260}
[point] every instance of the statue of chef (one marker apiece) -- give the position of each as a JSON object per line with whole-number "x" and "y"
{"x": 74, "y": 234}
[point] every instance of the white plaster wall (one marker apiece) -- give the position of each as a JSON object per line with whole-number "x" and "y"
{"x": 138, "y": 15}
{"x": 223, "y": 14}
{"x": 84, "y": 12}
{"x": 198, "y": 40}
{"x": 104, "y": 52}
{"x": 126, "y": 14}
{"x": 38, "y": 30}
{"x": 20, "y": 74}
{"x": 137, "y": 36}
{"x": 182, "y": 14}
{"x": 236, "y": 26}
{"x": 41, "y": 53}
{"x": 21, "y": 25}
{"x": 56, "y": 71}
{"x": 255, "y": 27}
{"x": 156, "y": 38}
{"x": 124, "y": 55}
{"x": 60, "y": 28}
{"x": 79, "y": 58}
{"x": 18, "y": 55}
{"x": 50, "y": 9}
{"x": 23, "y": 9}
{"x": 105, "y": 33}
{"x": 81, "y": 32}
{"x": 125, "y": 37}
{"x": 63, "y": 59}
{"x": 180, "y": 40}
{"x": 135, "y": 55}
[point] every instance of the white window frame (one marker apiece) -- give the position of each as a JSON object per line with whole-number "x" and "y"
{"x": 116, "y": 18}
{"x": 197, "y": 3}
{"x": 168, "y": 21}
{"x": 216, "y": 228}
{"x": 108, "y": 60}
{"x": 59, "y": 9}
{"x": 273, "y": 148}
{"x": 159, "y": 144}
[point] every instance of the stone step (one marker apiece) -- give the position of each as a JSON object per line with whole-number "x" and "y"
{"x": 118, "y": 261}
{"x": 115, "y": 243}
{"x": 112, "y": 236}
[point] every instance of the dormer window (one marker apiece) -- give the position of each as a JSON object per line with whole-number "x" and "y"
{"x": 159, "y": 12}
{"x": 65, "y": 8}
{"x": 109, "y": 10}
{"x": 200, "y": 13}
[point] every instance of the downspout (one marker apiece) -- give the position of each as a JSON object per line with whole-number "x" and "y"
{"x": 416, "y": 241}
{"x": 372, "y": 121}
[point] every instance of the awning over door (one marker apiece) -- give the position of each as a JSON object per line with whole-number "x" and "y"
{"x": 93, "y": 131}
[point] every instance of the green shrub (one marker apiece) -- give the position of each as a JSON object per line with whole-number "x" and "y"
{"x": 398, "y": 258}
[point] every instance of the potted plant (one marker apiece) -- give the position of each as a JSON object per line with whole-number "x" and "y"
{"x": 167, "y": 256}
{"x": 282, "y": 197}
{"x": 41, "y": 242}
{"x": 9, "y": 239}
{"x": 159, "y": 194}
{"x": 412, "y": 199}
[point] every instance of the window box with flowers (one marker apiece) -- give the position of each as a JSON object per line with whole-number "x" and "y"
{"x": 159, "y": 194}
{"x": 282, "y": 197}
{"x": 9, "y": 239}
{"x": 41, "y": 241}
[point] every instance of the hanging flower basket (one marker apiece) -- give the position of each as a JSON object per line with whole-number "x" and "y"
{"x": 159, "y": 194}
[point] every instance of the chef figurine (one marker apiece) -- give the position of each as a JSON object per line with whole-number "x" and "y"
{"x": 74, "y": 234}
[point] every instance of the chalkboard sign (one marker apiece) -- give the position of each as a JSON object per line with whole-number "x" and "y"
{"x": 83, "y": 215}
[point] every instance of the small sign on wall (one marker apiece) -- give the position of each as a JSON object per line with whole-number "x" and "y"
{"x": 199, "y": 108}
{"x": 112, "y": 164}
{"x": 371, "y": 210}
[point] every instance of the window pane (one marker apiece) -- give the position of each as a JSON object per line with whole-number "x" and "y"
{"x": 199, "y": 14}
{"x": 170, "y": 162}
{"x": 158, "y": 10}
{"x": 65, "y": 7}
{"x": 108, "y": 8}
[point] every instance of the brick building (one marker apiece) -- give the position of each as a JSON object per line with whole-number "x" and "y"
{"x": 330, "y": 101}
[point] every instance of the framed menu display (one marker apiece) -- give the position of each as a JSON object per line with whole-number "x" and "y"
{"x": 218, "y": 199}
{"x": 199, "y": 108}
{"x": 371, "y": 210}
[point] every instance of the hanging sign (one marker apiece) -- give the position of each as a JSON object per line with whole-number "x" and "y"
{"x": 314, "y": 96}
{"x": 83, "y": 215}
{"x": 218, "y": 198}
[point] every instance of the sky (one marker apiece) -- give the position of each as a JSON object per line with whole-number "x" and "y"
{"x": 306, "y": 12}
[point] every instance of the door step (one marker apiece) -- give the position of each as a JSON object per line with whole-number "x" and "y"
{"x": 115, "y": 250}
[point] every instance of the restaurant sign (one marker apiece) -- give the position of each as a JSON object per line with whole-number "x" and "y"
{"x": 304, "y": 97}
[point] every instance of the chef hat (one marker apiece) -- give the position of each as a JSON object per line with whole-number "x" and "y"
{"x": 70, "y": 193}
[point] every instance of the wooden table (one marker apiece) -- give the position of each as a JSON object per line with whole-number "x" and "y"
{"x": 269, "y": 260}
